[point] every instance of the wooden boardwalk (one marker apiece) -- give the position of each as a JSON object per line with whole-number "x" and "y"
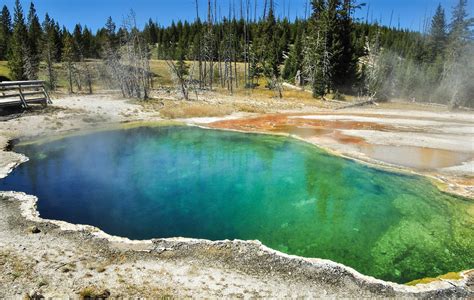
{"x": 23, "y": 93}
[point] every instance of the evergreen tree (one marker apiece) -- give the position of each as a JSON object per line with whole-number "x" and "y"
{"x": 331, "y": 46}
{"x": 460, "y": 33}
{"x": 437, "y": 35}
{"x": 293, "y": 63}
{"x": 49, "y": 50}
{"x": 317, "y": 60}
{"x": 18, "y": 45}
{"x": 68, "y": 58}
{"x": 344, "y": 58}
{"x": 460, "y": 43}
{"x": 58, "y": 40}
{"x": 5, "y": 32}
{"x": 78, "y": 42}
{"x": 32, "y": 59}
{"x": 87, "y": 43}
{"x": 180, "y": 69}
{"x": 270, "y": 55}
{"x": 150, "y": 32}
{"x": 112, "y": 37}
{"x": 181, "y": 66}
{"x": 322, "y": 71}
{"x": 255, "y": 69}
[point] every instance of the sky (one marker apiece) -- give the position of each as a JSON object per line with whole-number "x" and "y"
{"x": 409, "y": 14}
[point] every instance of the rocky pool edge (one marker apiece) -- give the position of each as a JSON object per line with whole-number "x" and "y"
{"x": 27, "y": 208}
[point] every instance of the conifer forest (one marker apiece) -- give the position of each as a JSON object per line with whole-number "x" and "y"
{"x": 327, "y": 51}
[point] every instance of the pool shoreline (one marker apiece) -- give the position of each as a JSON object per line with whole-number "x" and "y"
{"x": 26, "y": 207}
{"x": 40, "y": 258}
{"x": 28, "y": 211}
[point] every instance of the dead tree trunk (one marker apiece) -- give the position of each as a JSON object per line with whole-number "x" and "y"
{"x": 70, "y": 76}
{"x": 180, "y": 75}
{"x": 128, "y": 64}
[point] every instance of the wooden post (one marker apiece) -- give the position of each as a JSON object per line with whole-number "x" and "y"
{"x": 21, "y": 92}
{"x": 22, "y": 97}
{"x": 46, "y": 95}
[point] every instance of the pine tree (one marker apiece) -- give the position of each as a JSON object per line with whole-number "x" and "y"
{"x": 68, "y": 58}
{"x": 270, "y": 50}
{"x": 437, "y": 35}
{"x": 87, "y": 43}
{"x": 78, "y": 42}
{"x": 32, "y": 59}
{"x": 150, "y": 32}
{"x": 182, "y": 67}
{"x": 180, "y": 70}
{"x": 112, "y": 39}
{"x": 49, "y": 50}
{"x": 18, "y": 45}
{"x": 293, "y": 63}
{"x": 270, "y": 46}
{"x": 331, "y": 46}
{"x": 460, "y": 43}
{"x": 343, "y": 50}
{"x": 255, "y": 69}
{"x": 460, "y": 30}
{"x": 5, "y": 32}
{"x": 317, "y": 55}
{"x": 322, "y": 76}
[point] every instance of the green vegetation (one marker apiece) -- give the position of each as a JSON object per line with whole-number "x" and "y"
{"x": 329, "y": 51}
{"x": 17, "y": 45}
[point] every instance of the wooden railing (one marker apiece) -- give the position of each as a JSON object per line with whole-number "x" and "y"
{"x": 23, "y": 93}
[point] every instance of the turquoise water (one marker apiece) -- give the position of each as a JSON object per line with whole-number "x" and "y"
{"x": 156, "y": 182}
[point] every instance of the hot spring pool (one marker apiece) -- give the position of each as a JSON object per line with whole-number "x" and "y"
{"x": 157, "y": 182}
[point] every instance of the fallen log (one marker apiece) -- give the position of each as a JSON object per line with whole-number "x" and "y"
{"x": 358, "y": 104}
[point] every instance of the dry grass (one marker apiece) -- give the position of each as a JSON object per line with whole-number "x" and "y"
{"x": 15, "y": 266}
{"x": 290, "y": 95}
{"x": 161, "y": 71}
{"x": 4, "y": 71}
{"x": 62, "y": 75}
{"x": 249, "y": 108}
{"x": 93, "y": 292}
{"x": 162, "y": 77}
{"x": 401, "y": 104}
{"x": 195, "y": 110}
